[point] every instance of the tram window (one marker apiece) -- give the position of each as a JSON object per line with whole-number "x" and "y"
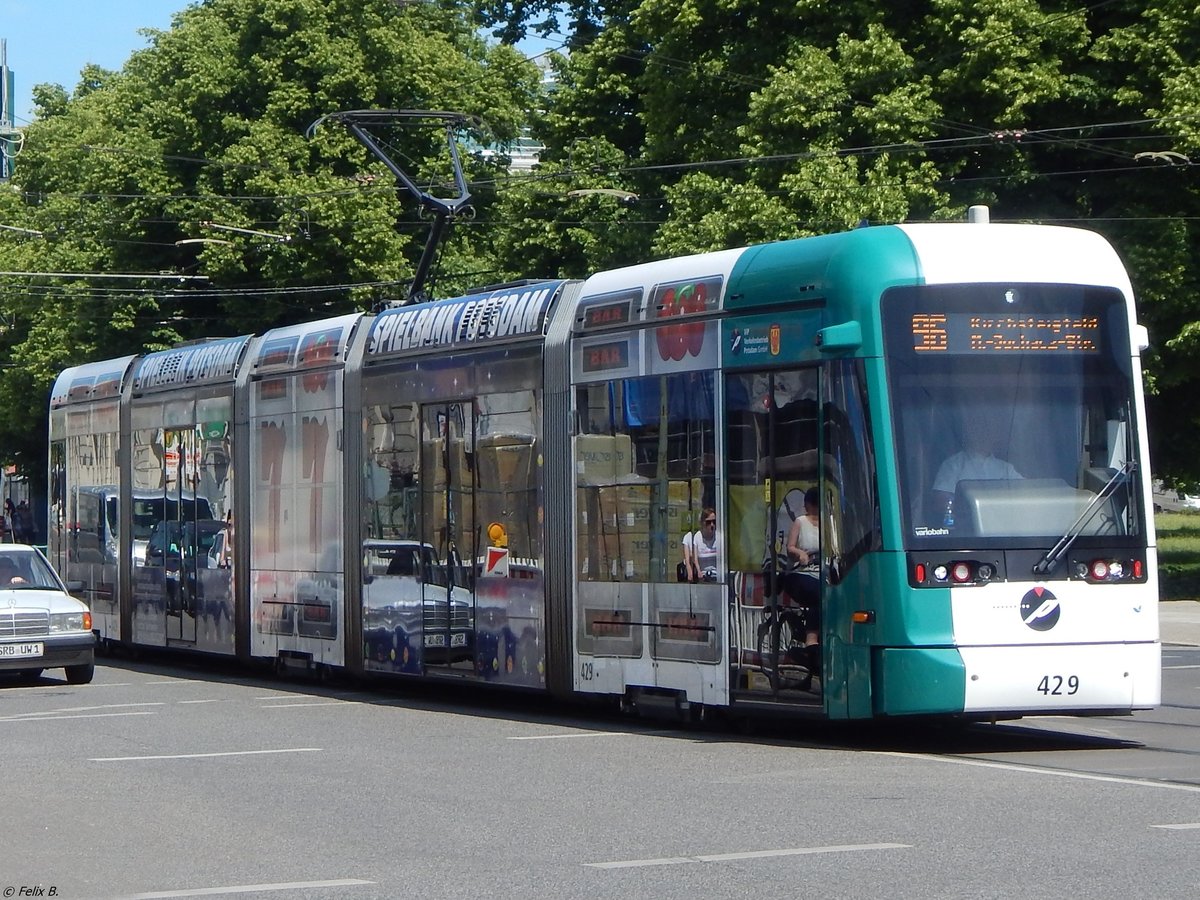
{"x": 390, "y": 475}
{"x": 645, "y": 466}
{"x": 1050, "y": 478}
{"x": 850, "y": 503}
{"x": 1058, "y": 409}
{"x": 506, "y": 474}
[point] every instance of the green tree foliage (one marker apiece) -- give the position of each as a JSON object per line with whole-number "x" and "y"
{"x": 674, "y": 126}
{"x": 208, "y": 125}
{"x": 742, "y": 120}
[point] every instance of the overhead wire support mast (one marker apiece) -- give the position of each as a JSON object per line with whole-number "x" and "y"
{"x": 357, "y": 121}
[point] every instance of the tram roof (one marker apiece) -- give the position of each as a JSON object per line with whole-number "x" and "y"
{"x": 90, "y": 381}
{"x": 855, "y": 266}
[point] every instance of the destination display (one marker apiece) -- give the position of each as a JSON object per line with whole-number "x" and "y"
{"x": 971, "y": 333}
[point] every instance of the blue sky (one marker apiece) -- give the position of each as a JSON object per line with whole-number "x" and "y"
{"x": 51, "y": 40}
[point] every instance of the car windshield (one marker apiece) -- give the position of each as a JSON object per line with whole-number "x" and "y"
{"x": 198, "y": 537}
{"x": 26, "y": 569}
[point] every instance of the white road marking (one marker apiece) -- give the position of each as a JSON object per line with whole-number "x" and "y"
{"x": 1039, "y": 770}
{"x": 214, "y": 700}
{"x": 581, "y": 734}
{"x": 746, "y": 854}
{"x": 1182, "y": 827}
{"x": 251, "y": 888}
{"x": 318, "y": 703}
{"x": 800, "y": 851}
{"x": 1181, "y": 667}
{"x": 204, "y": 755}
{"x": 637, "y": 863}
{"x": 45, "y": 718}
{"x": 79, "y": 709}
{"x": 99, "y": 684}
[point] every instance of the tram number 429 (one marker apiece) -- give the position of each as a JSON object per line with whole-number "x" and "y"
{"x": 1058, "y": 686}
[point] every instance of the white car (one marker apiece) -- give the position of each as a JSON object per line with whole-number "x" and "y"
{"x": 41, "y": 625}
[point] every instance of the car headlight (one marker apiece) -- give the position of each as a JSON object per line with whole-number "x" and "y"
{"x": 70, "y": 621}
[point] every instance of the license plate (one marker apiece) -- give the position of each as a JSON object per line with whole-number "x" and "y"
{"x": 435, "y": 640}
{"x": 21, "y": 651}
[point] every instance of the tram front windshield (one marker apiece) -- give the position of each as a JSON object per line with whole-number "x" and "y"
{"x": 1013, "y": 415}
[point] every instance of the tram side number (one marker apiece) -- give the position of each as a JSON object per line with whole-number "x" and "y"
{"x": 1058, "y": 686}
{"x": 586, "y": 671}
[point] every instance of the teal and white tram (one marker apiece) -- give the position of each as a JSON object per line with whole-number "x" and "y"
{"x": 502, "y": 487}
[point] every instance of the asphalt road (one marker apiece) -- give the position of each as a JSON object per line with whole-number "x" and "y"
{"x": 181, "y": 781}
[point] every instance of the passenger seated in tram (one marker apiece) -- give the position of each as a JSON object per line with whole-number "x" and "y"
{"x": 702, "y": 549}
{"x": 802, "y": 580}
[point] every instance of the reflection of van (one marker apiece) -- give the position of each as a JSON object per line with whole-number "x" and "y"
{"x": 98, "y": 528}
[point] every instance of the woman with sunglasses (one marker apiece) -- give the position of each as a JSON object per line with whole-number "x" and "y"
{"x": 701, "y": 549}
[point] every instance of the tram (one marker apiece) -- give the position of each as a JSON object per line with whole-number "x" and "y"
{"x": 498, "y": 488}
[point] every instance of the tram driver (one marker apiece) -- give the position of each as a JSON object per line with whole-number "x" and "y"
{"x": 982, "y": 437}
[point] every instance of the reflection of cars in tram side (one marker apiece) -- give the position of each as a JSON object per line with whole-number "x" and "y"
{"x": 217, "y": 557}
{"x": 150, "y": 509}
{"x": 409, "y": 592}
{"x": 197, "y": 540}
{"x": 162, "y": 551}
{"x": 179, "y": 548}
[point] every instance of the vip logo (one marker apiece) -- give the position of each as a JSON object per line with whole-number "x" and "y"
{"x": 1040, "y": 609}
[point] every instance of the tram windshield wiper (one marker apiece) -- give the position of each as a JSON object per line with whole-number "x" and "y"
{"x": 1046, "y": 564}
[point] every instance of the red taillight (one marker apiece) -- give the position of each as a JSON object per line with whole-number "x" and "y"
{"x": 1137, "y": 568}
{"x": 961, "y": 572}
{"x": 1099, "y": 569}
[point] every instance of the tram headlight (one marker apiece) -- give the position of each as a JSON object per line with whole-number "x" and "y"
{"x": 940, "y": 573}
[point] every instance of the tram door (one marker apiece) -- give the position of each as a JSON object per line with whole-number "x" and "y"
{"x": 170, "y": 545}
{"x": 448, "y": 536}
{"x": 773, "y": 437}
